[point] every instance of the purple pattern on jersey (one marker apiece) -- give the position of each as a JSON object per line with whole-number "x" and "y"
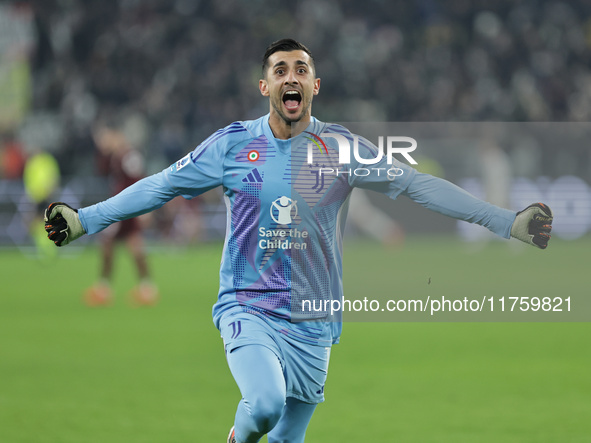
{"x": 271, "y": 292}
{"x": 245, "y": 221}
{"x": 313, "y": 267}
{"x": 310, "y": 279}
{"x": 338, "y": 192}
{"x": 275, "y": 277}
{"x": 308, "y": 179}
{"x": 263, "y": 150}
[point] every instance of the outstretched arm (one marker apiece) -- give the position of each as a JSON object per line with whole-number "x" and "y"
{"x": 532, "y": 225}
{"x": 194, "y": 174}
{"x": 65, "y": 224}
{"x": 143, "y": 196}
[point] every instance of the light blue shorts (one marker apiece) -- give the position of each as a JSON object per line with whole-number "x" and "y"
{"x": 305, "y": 366}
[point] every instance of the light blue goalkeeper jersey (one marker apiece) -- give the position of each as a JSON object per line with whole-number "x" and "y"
{"x": 286, "y": 208}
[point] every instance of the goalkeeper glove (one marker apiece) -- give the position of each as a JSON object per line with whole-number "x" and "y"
{"x": 533, "y": 225}
{"x": 62, "y": 224}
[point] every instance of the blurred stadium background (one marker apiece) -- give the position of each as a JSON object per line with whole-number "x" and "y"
{"x": 169, "y": 73}
{"x": 172, "y": 72}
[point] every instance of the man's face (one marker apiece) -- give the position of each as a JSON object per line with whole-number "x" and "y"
{"x": 290, "y": 84}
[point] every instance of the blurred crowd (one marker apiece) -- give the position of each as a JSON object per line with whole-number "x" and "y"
{"x": 173, "y": 71}
{"x": 167, "y": 73}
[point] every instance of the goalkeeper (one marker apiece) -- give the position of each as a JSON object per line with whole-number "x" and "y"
{"x": 283, "y": 239}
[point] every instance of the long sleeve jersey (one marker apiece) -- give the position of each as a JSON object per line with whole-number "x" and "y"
{"x": 286, "y": 209}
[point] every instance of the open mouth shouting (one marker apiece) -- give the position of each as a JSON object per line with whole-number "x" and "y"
{"x": 292, "y": 100}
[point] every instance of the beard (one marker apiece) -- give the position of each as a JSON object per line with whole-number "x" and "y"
{"x": 278, "y": 107}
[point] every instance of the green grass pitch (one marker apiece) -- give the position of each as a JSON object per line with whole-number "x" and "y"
{"x": 71, "y": 374}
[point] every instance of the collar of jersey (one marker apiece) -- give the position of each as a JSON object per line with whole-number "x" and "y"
{"x": 285, "y": 145}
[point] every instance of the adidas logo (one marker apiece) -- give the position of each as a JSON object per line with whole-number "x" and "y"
{"x": 253, "y": 176}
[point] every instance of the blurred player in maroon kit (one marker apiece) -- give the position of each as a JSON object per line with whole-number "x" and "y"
{"x": 124, "y": 166}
